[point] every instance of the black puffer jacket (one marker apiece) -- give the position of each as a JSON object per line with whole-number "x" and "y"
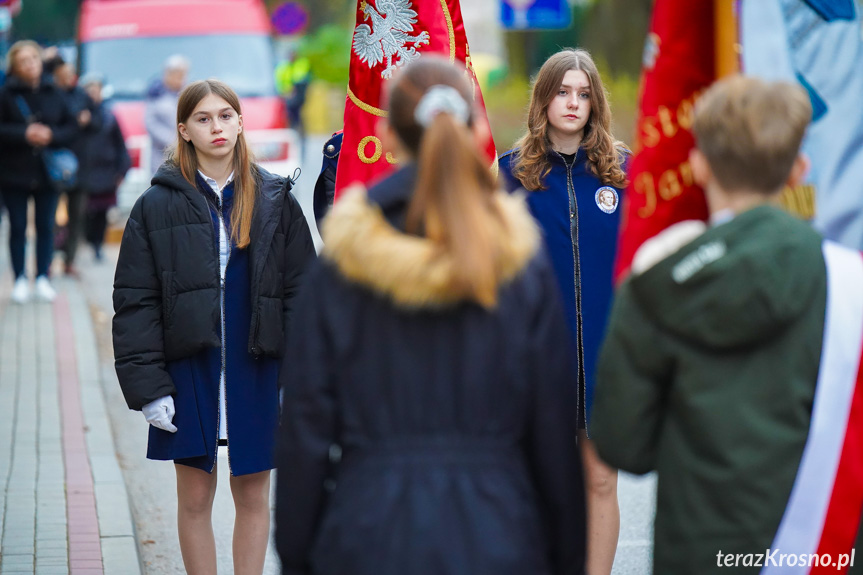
{"x": 166, "y": 287}
{"x": 21, "y": 165}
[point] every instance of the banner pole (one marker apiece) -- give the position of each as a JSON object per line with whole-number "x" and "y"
{"x": 727, "y": 44}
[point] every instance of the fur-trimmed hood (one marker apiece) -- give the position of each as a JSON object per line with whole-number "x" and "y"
{"x": 411, "y": 270}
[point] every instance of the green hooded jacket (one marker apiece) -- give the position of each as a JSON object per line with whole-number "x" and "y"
{"x": 707, "y": 375}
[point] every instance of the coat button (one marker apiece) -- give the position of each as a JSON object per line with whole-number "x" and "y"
{"x": 330, "y": 149}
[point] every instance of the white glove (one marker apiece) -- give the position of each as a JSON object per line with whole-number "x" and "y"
{"x": 160, "y": 412}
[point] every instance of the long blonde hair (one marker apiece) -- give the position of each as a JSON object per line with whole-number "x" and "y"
{"x": 184, "y": 156}
{"x": 603, "y": 152}
{"x": 453, "y": 203}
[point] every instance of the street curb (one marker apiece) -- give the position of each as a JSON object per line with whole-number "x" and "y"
{"x": 118, "y": 537}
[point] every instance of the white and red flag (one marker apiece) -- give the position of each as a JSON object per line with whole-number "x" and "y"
{"x": 823, "y": 512}
{"x": 817, "y": 43}
{"x": 388, "y": 35}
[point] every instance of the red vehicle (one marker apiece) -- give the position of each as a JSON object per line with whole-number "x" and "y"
{"x": 127, "y": 42}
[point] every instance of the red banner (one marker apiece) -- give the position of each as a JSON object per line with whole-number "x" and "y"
{"x": 678, "y": 66}
{"x": 388, "y": 35}
{"x": 14, "y": 6}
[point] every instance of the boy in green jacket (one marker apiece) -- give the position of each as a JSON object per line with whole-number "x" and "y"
{"x": 709, "y": 368}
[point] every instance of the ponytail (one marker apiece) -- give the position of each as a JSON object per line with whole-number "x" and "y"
{"x": 452, "y": 206}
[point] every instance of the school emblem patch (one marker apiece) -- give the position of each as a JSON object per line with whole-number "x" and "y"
{"x": 607, "y": 199}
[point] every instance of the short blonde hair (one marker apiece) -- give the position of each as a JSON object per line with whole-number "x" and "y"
{"x": 750, "y": 131}
{"x": 13, "y": 53}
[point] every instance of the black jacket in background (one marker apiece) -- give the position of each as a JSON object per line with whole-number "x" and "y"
{"x": 166, "y": 287}
{"x": 104, "y": 158}
{"x": 455, "y": 425}
{"x": 21, "y": 165}
{"x": 77, "y": 101}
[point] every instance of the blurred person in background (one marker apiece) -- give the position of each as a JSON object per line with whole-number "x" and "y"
{"x": 104, "y": 164}
{"x": 51, "y": 60}
{"x": 325, "y": 185}
{"x": 574, "y": 173}
{"x": 429, "y": 348}
{"x": 211, "y": 258}
{"x": 84, "y": 110}
{"x": 161, "y": 108}
{"x": 33, "y": 115}
{"x": 293, "y": 75}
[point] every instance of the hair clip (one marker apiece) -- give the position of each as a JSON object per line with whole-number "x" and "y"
{"x": 441, "y": 99}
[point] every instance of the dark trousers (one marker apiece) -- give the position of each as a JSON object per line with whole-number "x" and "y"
{"x": 97, "y": 223}
{"x": 46, "y": 206}
{"x": 76, "y": 207}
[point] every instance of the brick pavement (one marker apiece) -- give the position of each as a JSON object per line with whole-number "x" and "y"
{"x": 63, "y": 503}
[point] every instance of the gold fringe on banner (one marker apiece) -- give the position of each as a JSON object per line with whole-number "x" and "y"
{"x": 799, "y": 201}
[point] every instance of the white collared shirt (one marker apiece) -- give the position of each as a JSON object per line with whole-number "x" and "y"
{"x": 214, "y": 184}
{"x": 224, "y": 244}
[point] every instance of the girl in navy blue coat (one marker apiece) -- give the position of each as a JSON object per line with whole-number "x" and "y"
{"x": 427, "y": 424}
{"x": 211, "y": 258}
{"x": 573, "y": 171}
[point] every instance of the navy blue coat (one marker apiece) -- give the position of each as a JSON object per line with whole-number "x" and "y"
{"x": 581, "y": 238}
{"x": 421, "y": 434}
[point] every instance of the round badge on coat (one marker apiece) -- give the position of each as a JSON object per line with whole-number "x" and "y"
{"x": 607, "y": 199}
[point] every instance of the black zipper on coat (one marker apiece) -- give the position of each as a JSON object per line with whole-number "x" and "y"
{"x": 581, "y": 406}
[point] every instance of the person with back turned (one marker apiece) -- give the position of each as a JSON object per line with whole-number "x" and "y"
{"x": 429, "y": 375}
{"x": 732, "y": 355}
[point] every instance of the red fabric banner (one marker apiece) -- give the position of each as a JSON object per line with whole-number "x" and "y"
{"x": 388, "y": 35}
{"x": 678, "y": 66}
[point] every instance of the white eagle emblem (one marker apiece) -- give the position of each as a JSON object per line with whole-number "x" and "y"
{"x": 393, "y": 22}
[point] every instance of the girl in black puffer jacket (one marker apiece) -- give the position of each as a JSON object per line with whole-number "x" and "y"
{"x": 210, "y": 261}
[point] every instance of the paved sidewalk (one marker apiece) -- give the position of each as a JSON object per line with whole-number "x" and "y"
{"x": 63, "y": 503}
